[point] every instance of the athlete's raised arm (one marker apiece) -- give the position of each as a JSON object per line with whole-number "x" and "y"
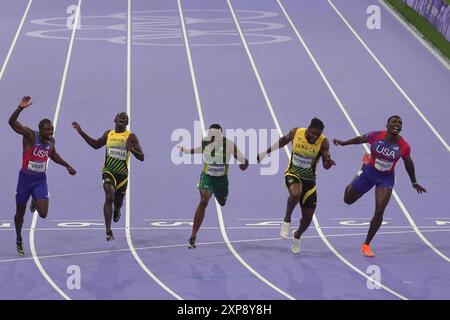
{"x": 277, "y": 145}
{"x": 16, "y": 125}
{"x": 96, "y": 144}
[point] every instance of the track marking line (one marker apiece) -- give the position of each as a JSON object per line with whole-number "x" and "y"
{"x": 275, "y": 120}
{"x": 219, "y": 211}
{"x": 352, "y": 124}
{"x": 128, "y": 202}
{"x": 13, "y": 43}
{"x": 389, "y": 75}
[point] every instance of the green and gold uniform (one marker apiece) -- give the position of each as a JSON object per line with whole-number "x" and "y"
{"x": 302, "y": 167}
{"x": 115, "y": 169}
{"x": 214, "y": 176}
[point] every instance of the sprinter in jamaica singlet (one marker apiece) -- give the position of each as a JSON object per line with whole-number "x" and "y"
{"x": 308, "y": 145}
{"x": 119, "y": 144}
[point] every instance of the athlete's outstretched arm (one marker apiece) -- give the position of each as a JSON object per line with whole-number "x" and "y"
{"x": 96, "y": 144}
{"x": 327, "y": 162}
{"x": 16, "y": 125}
{"x": 409, "y": 166}
{"x": 238, "y": 155}
{"x": 134, "y": 147}
{"x": 191, "y": 151}
{"x": 277, "y": 145}
{"x": 59, "y": 160}
{"x": 355, "y": 140}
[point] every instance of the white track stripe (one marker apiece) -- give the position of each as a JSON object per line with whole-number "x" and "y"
{"x": 219, "y": 211}
{"x": 355, "y": 129}
{"x": 13, "y": 44}
{"x": 205, "y": 243}
{"x": 399, "y": 88}
{"x": 269, "y": 105}
{"x": 417, "y": 34}
{"x": 128, "y": 202}
{"x": 55, "y": 122}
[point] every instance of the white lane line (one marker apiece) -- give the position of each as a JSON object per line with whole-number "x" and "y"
{"x": 206, "y": 243}
{"x": 219, "y": 211}
{"x": 417, "y": 34}
{"x": 218, "y": 227}
{"x": 55, "y": 122}
{"x": 13, "y": 43}
{"x": 128, "y": 202}
{"x": 355, "y": 129}
{"x": 275, "y": 120}
{"x": 388, "y": 74}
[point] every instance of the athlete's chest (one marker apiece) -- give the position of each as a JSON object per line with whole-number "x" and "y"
{"x": 302, "y": 146}
{"x": 117, "y": 139}
{"x": 40, "y": 151}
{"x": 382, "y": 149}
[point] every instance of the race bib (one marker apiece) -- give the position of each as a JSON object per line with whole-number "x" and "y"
{"x": 36, "y": 166}
{"x": 119, "y": 154}
{"x": 215, "y": 170}
{"x": 301, "y": 162}
{"x": 383, "y": 165}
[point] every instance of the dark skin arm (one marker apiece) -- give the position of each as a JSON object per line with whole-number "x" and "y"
{"x": 277, "y": 145}
{"x": 59, "y": 160}
{"x": 27, "y": 133}
{"x": 409, "y": 166}
{"x": 96, "y": 144}
{"x": 134, "y": 147}
{"x": 237, "y": 154}
{"x": 327, "y": 162}
{"x": 355, "y": 140}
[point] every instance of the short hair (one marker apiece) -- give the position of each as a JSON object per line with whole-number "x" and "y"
{"x": 43, "y": 122}
{"x": 119, "y": 113}
{"x": 317, "y": 123}
{"x": 215, "y": 126}
{"x": 394, "y": 116}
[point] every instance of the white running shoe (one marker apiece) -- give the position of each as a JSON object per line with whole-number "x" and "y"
{"x": 284, "y": 233}
{"x": 295, "y": 244}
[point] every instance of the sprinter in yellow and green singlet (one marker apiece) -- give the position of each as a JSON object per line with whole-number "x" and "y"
{"x": 119, "y": 144}
{"x": 216, "y": 150}
{"x": 308, "y": 145}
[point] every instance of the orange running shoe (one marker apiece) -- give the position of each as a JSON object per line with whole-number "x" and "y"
{"x": 365, "y": 249}
{"x": 366, "y": 158}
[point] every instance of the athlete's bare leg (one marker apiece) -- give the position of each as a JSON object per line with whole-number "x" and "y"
{"x": 382, "y": 197}
{"x": 307, "y": 216}
{"x": 118, "y": 202}
{"x": 295, "y": 193}
{"x": 108, "y": 209}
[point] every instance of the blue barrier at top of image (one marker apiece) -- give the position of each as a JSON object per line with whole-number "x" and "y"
{"x": 437, "y": 12}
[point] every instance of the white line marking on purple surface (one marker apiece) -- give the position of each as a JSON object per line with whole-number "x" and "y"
{"x": 417, "y": 35}
{"x": 55, "y": 122}
{"x": 219, "y": 211}
{"x": 205, "y": 243}
{"x": 355, "y": 129}
{"x": 275, "y": 120}
{"x": 128, "y": 203}
{"x": 13, "y": 43}
{"x": 388, "y": 74}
